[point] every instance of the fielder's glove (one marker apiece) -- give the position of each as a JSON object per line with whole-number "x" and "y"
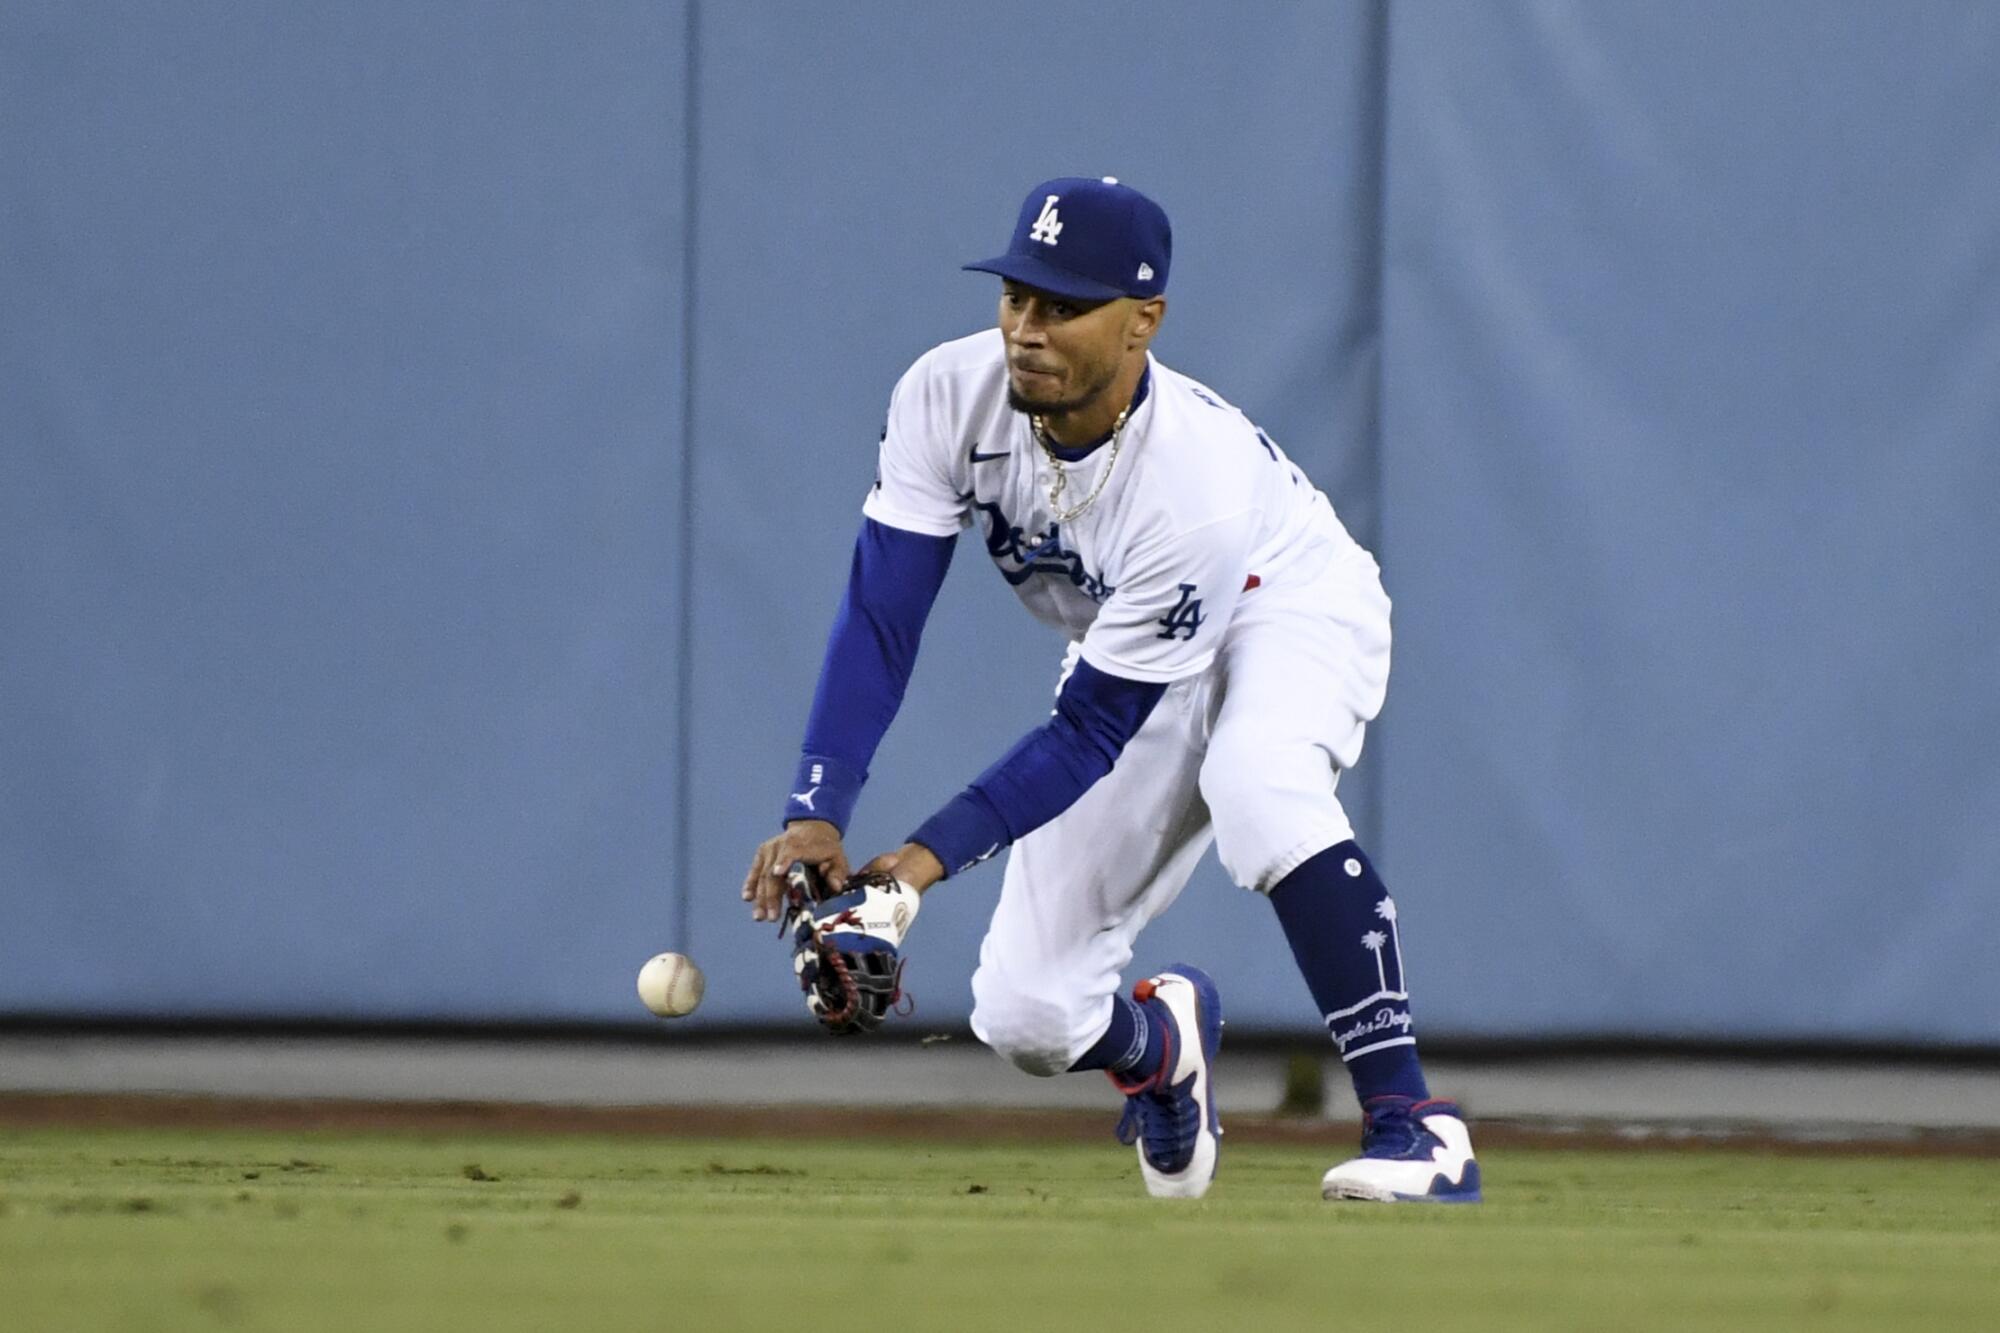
{"x": 845, "y": 949}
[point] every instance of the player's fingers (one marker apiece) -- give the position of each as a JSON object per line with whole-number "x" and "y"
{"x": 834, "y": 868}
{"x": 770, "y": 887}
{"x": 762, "y": 864}
{"x": 766, "y": 884}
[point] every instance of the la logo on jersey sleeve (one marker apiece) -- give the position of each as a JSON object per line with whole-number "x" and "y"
{"x": 1185, "y": 617}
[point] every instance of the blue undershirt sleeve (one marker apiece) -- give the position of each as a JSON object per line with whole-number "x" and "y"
{"x": 1042, "y": 776}
{"x": 894, "y": 578}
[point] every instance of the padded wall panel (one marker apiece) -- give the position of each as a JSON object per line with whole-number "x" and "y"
{"x": 339, "y": 492}
{"x": 1692, "y": 315}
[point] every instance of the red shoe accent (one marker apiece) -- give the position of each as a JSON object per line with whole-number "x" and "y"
{"x": 1143, "y": 991}
{"x": 1252, "y": 582}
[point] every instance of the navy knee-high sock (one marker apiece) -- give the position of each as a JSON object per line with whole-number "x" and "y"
{"x": 1341, "y": 924}
{"x": 1133, "y": 1046}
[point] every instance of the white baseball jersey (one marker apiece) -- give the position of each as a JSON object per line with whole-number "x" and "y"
{"x": 1149, "y": 576}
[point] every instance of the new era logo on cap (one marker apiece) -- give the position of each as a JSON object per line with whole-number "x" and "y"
{"x": 1087, "y": 238}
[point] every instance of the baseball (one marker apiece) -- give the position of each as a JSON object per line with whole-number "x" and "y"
{"x": 671, "y": 985}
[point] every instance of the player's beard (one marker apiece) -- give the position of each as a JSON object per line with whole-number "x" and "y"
{"x": 1062, "y": 407}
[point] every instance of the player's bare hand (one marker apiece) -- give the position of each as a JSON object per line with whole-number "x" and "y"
{"x": 813, "y": 841}
{"x": 913, "y": 863}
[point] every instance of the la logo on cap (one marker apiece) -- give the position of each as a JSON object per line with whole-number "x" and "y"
{"x": 1049, "y": 225}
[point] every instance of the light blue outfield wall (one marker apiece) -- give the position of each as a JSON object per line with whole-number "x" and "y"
{"x": 409, "y": 418}
{"x": 1691, "y": 451}
{"x": 338, "y": 503}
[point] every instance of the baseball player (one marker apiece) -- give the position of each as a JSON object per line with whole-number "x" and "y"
{"x": 1228, "y": 644}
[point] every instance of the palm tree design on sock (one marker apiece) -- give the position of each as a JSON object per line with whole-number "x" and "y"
{"x": 1386, "y": 909}
{"x": 1373, "y": 942}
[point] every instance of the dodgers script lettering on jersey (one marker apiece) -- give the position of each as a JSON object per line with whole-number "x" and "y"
{"x": 1148, "y": 577}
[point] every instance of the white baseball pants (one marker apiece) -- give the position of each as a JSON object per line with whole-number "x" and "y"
{"x": 1247, "y": 753}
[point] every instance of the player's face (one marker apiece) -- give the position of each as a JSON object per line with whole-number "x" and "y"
{"x": 1062, "y": 354}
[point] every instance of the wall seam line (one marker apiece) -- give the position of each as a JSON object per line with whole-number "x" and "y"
{"x": 683, "y": 857}
{"x": 1378, "y": 833}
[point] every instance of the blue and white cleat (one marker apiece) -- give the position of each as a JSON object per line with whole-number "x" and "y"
{"x": 1171, "y": 1116}
{"x": 1411, "y": 1152}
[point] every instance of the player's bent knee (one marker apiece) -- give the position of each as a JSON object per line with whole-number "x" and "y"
{"x": 1033, "y": 1034}
{"x": 1245, "y": 781}
{"x": 1040, "y": 1049}
{"x": 1269, "y": 796}
{"x": 1041, "y": 1061}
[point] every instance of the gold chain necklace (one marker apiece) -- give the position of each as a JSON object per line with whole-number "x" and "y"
{"x": 1060, "y": 483}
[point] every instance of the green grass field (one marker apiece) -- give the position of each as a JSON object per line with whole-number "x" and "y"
{"x": 129, "y": 1230}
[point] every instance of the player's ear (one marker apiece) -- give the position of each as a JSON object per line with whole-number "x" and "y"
{"x": 1146, "y": 320}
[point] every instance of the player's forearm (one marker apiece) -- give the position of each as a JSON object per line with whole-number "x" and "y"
{"x": 892, "y": 582}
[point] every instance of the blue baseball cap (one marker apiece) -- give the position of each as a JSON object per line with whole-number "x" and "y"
{"x": 1089, "y": 239}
